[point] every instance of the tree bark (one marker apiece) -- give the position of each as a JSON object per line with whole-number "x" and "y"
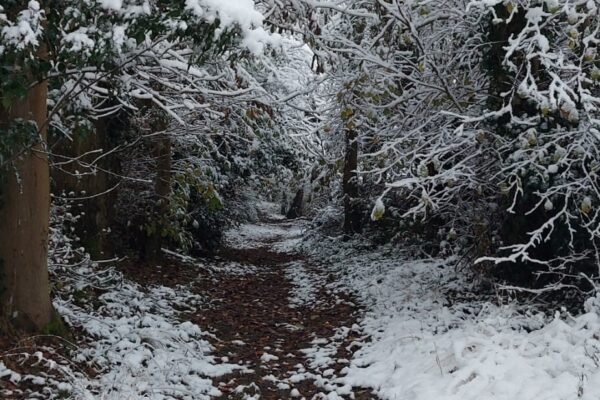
{"x": 352, "y": 215}
{"x": 24, "y": 220}
{"x": 162, "y": 188}
{"x": 100, "y": 187}
{"x": 295, "y": 210}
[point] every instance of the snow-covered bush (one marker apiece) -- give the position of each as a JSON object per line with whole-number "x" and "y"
{"x": 478, "y": 124}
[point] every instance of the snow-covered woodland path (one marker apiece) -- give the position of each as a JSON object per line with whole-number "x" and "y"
{"x": 439, "y": 162}
{"x": 268, "y": 326}
{"x": 254, "y": 322}
{"x": 285, "y": 312}
{"x": 271, "y": 313}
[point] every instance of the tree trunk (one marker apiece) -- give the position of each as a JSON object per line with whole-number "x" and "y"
{"x": 295, "y": 210}
{"x": 501, "y": 79}
{"x": 98, "y": 189}
{"x": 24, "y": 220}
{"x": 162, "y": 188}
{"x": 352, "y": 215}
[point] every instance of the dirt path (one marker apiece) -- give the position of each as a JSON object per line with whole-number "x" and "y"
{"x": 277, "y": 319}
{"x": 270, "y": 312}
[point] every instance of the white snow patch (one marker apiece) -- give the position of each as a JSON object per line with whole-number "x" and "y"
{"x": 252, "y": 236}
{"x": 114, "y": 5}
{"x": 216, "y": 268}
{"x": 266, "y": 357}
{"x": 141, "y": 347}
{"x": 424, "y": 347}
{"x": 241, "y": 13}
{"x": 305, "y": 285}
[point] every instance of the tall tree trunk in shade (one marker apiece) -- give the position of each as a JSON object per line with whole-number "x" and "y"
{"x": 162, "y": 188}
{"x": 98, "y": 190}
{"x": 24, "y": 220}
{"x": 352, "y": 217}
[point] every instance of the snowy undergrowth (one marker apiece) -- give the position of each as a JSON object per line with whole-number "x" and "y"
{"x": 140, "y": 348}
{"x": 132, "y": 338}
{"x": 428, "y": 343}
{"x": 44, "y": 374}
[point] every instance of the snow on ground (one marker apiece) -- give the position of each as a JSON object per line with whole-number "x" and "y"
{"x": 290, "y": 243}
{"x": 305, "y": 285}
{"x": 134, "y": 341}
{"x": 57, "y": 379}
{"x": 321, "y": 362}
{"x": 428, "y": 345}
{"x": 322, "y": 354}
{"x": 423, "y": 335}
{"x": 133, "y": 338}
{"x": 269, "y": 211}
{"x": 142, "y": 349}
{"x": 215, "y": 266}
{"x": 282, "y": 236}
{"x": 252, "y": 236}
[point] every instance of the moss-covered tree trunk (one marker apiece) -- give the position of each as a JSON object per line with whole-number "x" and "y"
{"x": 24, "y": 219}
